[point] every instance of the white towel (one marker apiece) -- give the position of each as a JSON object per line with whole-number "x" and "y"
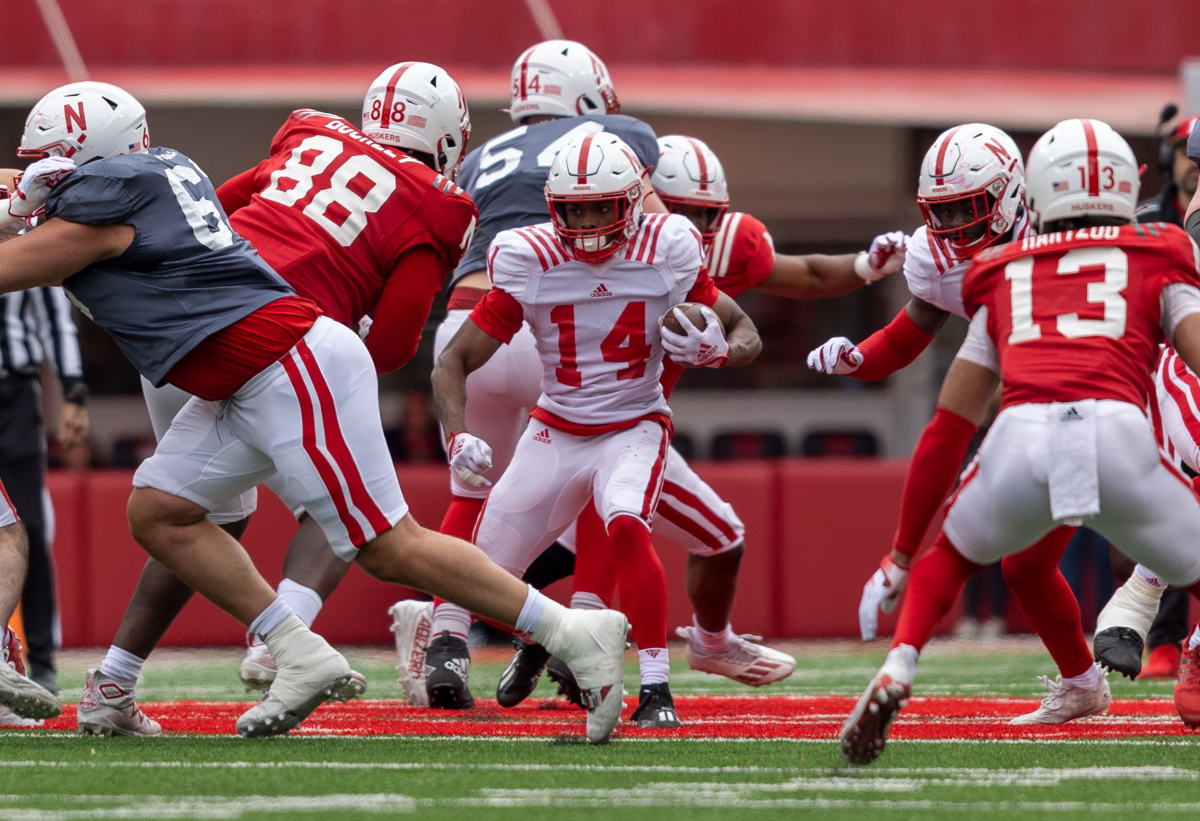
{"x": 1072, "y": 473}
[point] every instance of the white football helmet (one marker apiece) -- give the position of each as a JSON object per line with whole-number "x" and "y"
{"x": 418, "y": 106}
{"x": 689, "y": 173}
{"x": 1081, "y": 168}
{"x": 561, "y": 78}
{"x": 85, "y": 121}
{"x": 595, "y": 169}
{"x": 970, "y": 188}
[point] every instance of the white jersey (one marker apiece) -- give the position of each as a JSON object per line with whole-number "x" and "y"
{"x": 935, "y": 278}
{"x": 595, "y": 324}
{"x": 1177, "y": 423}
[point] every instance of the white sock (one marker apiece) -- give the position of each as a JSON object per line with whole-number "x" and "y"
{"x": 451, "y": 618}
{"x": 711, "y": 643}
{"x": 121, "y": 666}
{"x": 304, "y": 601}
{"x": 1148, "y": 576}
{"x": 587, "y": 601}
{"x": 270, "y": 618}
{"x": 1194, "y": 639}
{"x": 1088, "y": 680}
{"x": 655, "y": 665}
{"x": 901, "y": 662}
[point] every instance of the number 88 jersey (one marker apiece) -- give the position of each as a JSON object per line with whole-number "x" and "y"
{"x": 332, "y": 211}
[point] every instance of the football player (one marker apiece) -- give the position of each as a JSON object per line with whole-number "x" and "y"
{"x": 1070, "y": 320}
{"x": 590, "y": 285}
{"x": 141, "y": 243}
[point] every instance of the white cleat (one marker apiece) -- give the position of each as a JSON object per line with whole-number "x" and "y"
{"x": 412, "y": 627}
{"x": 26, "y": 697}
{"x": 257, "y": 669}
{"x": 310, "y": 672}
{"x": 1064, "y": 704}
{"x": 744, "y": 660}
{"x": 592, "y": 643}
{"x": 106, "y": 708}
{"x": 864, "y": 733}
{"x": 10, "y": 719}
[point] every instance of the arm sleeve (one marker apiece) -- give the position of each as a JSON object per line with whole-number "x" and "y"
{"x": 891, "y": 348}
{"x": 978, "y": 346}
{"x": 704, "y": 290}
{"x": 498, "y": 315}
{"x": 755, "y": 250}
{"x": 236, "y": 192}
{"x": 403, "y": 308}
{"x": 1179, "y": 300}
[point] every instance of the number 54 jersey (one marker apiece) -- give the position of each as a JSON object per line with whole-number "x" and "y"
{"x": 595, "y": 324}
{"x": 333, "y": 211}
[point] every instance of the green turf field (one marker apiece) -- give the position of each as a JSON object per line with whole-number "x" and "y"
{"x": 59, "y": 775}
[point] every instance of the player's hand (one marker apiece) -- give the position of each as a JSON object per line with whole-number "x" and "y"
{"x": 837, "y": 356}
{"x": 33, "y": 186}
{"x": 469, "y": 456}
{"x": 696, "y": 348}
{"x": 881, "y": 592}
{"x": 884, "y": 258}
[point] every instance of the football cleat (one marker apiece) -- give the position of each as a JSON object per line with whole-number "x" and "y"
{"x": 1187, "y": 687}
{"x": 1118, "y": 649}
{"x": 655, "y": 707}
{"x": 447, "y": 664}
{"x": 520, "y": 677}
{"x": 412, "y": 628}
{"x": 257, "y": 669}
{"x": 1122, "y": 626}
{"x": 1163, "y": 662}
{"x": 310, "y": 672}
{"x": 10, "y": 719}
{"x": 106, "y": 708}
{"x": 21, "y": 694}
{"x": 864, "y": 734}
{"x": 743, "y": 660}
{"x": 558, "y": 672}
{"x": 592, "y": 643}
{"x": 1064, "y": 704}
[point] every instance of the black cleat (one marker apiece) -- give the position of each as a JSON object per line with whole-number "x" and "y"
{"x": 446, "y": 664}
{"x": 655, "y": 707}
{"x": 520, "y": 677}
{"x": 568, "y": 688}
{"x": 1119, "y": 649}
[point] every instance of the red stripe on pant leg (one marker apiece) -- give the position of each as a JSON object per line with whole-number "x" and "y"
{"x": 684, "y": 522}
{"x": 650, "y": 501}
{"x": 692, "y": 501}
{"x": 335, "y": 442}
{"x": 324, "y": 469}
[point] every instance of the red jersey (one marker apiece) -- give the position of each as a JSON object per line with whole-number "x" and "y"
{"x": 1077, "y": 314}
{"x": 333, "y": 212}
{"x": 741, "y": 256}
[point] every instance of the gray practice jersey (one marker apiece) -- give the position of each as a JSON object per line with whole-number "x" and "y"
{"x": 507, "y": 176}
{"x": 186, "y": 276}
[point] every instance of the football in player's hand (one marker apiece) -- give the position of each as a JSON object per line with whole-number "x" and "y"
{"x": 692, "y": 310}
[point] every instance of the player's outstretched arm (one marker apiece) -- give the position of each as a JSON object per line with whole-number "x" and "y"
{"x": 403, "y": 308}
{"x": 740, "y": 332}
{"x": 887, "y": 350}
{"x": 57, "y": 249}
{"x": 816, "y": 276}
{"x": 468, "y": 350}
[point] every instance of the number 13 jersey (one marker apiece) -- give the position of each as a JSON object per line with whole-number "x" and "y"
{"x": 595, "y": 324}
{"x": 333, "y": 211}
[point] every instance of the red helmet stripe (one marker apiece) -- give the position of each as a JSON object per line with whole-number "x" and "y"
{"x": 525, "y": 70}
{"x": 1093, "y": 159}
{"x": 701, "y": 162}
{"x": 389, "y": 96}
{"x": 584, "y": 149}
{"x": 938, "y": 170}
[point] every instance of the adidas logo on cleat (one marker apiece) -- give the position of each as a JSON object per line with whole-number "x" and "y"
{"x": 542, "y": 436}
{"x": 601, "y": 291}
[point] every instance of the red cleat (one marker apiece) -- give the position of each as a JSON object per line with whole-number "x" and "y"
{"x": 1163, "y": 662}
{"x": 1187, "y": 688}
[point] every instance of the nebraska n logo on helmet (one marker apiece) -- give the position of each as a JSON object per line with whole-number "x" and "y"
{"x": 85, "y": 121}
{"x": 418, "y": 107}
{"x": 970, "y": 188}
{"x": 595, "y": 170}
{"x": 561, "y": 78}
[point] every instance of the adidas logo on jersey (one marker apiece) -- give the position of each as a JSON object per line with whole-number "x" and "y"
{"x": 1070, "y": 415}
{"x": 601, "y": 291}
{"x": 542, "y": 436}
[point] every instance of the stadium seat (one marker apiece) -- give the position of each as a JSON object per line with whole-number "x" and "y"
{"x": 839, "y": 443}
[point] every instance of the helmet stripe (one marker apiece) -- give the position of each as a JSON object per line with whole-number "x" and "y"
{"x": 584, "y": 149}
{"x": 1093, "y": 159}
{"x": 525, "y": 71}
{"x": 389, "y": 96}
{"x": 938, "y": 170}
{"x": 701, "y": 162}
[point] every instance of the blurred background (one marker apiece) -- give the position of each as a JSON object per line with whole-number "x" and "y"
{"x": 819, "y": 111}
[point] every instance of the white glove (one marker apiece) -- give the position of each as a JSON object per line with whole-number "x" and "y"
{"x": 885, "y": 257}
{"x": 470, "y": 456}
{"x": 697, "y": 348}
{"x": 837, "y": 356}
{"x": 35, "y": 183}
{"x": 364, "y": 325}
{"x": 881, "y": 592}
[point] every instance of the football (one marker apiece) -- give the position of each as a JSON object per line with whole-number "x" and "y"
{"x": 690, "y": 309}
